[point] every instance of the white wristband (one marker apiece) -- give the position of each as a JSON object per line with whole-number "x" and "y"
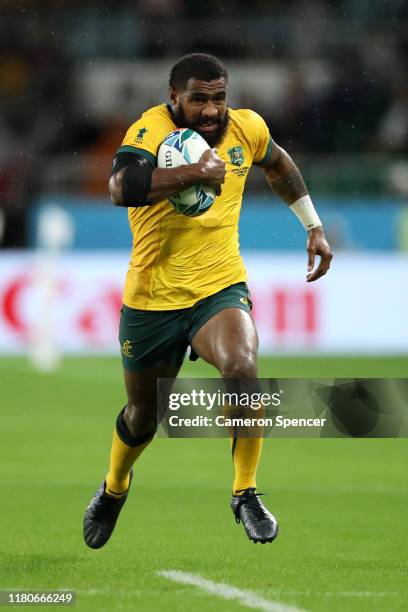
{"x": 305, "y": 212}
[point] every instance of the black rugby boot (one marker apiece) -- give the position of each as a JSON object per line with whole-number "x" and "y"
{"x": 260, "y": 525}
{"x": 101, "y": 516}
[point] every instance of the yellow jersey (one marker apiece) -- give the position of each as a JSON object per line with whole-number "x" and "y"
{"x": 178, "y": 260}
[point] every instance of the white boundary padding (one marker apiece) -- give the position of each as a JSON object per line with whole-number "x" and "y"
{"x": 359, "y": 307}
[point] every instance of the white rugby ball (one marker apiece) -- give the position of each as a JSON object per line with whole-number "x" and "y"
{"x": 184, "y": 146}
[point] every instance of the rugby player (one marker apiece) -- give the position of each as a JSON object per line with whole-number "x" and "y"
{"x": 186, "y": 283}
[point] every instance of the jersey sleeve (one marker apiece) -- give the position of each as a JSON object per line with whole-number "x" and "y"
{"x": 259, "y": 138}
{"x": 144, "y": 137}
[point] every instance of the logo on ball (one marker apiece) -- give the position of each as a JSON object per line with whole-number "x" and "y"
{"x": 181, "y": 147}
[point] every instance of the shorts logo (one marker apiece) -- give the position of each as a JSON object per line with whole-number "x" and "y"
{"x": 127, "y": 348}
{"x": 236, "y": 155}
{"x": 244, "y": 300}
{"x": 140, "y": 135}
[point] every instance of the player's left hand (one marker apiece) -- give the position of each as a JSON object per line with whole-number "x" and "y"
{"x": 317, "y": 245}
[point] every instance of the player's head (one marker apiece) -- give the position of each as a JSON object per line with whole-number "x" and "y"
{"x": 198, "y": 92}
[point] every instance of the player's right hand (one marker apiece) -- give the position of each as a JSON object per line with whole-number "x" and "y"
{"x": 212, "y": 170}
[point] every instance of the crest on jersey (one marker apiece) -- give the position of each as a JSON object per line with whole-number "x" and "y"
{"x": 140, "y": 134}
{"x": 236, "y": 155}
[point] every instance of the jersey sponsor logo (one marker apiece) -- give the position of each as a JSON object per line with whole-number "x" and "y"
{"x": 236, "y": 155}
{"x": 127, "y": 348}
{"x": 140, "y": 135}
{"x": 240, "y": 171}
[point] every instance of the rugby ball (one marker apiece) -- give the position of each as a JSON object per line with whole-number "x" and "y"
{"x": 184, "y": 146}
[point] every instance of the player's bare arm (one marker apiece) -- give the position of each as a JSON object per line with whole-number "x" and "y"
{"x": 210, "y": 170}
{"x": 286, "y": 182}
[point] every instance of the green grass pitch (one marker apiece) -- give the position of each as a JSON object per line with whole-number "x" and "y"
{"x": 341, "y": 503}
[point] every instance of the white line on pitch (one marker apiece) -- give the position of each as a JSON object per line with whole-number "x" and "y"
{"x": 226, "y": 591}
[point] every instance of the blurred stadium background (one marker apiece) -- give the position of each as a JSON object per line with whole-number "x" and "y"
{"x": 330, "y": 80}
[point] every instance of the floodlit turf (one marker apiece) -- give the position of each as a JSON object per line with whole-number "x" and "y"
{"x": 342, "y": 504}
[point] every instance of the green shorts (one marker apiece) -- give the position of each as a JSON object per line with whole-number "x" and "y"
{"x": 150, "y": 339}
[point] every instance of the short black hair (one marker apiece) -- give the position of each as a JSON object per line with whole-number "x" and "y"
{"x": 198, "y": 66}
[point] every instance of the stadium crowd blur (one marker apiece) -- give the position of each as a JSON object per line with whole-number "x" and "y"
{"x": 339, "y": 71}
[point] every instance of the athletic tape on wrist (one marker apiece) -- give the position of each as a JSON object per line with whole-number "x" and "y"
{"x": 306, "y": 213}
